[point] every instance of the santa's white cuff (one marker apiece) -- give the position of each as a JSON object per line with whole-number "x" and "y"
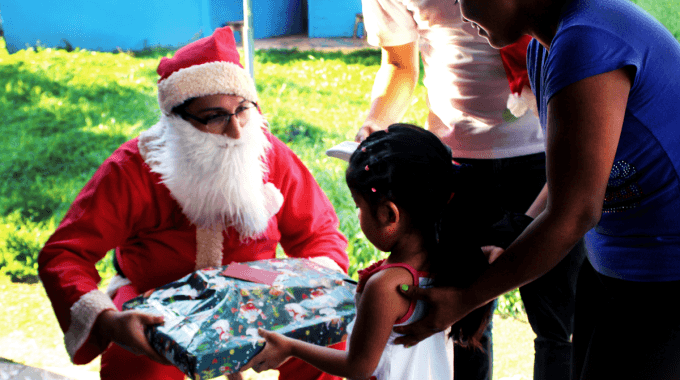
{"x": 274, "y": 198}
{"x": 327, "y": 262}
{"x": 83, "y": 315}
{"x": 116, "y": 283}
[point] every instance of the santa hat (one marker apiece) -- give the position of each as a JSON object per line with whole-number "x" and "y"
{"x": 207, "y": 66}
{"x": 514, "y": 59}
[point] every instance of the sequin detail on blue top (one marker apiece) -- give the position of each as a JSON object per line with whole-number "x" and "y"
{"x": 623, "y": 192}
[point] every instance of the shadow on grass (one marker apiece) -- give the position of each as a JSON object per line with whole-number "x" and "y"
{"x": 95, "y": 103}
{"x": 365, "y": 57}
{"x": 296, "y": 130}
{"x": 47, "y": 145}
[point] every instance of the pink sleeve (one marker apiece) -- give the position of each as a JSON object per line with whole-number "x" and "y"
{"x": 307, "y": 220}
{"x": 388, "y": 23}
{"x": 97, "y": 221}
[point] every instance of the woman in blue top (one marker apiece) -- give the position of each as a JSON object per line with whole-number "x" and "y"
{"x": 606, "y": 76}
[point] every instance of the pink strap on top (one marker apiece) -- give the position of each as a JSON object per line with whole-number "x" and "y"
{"x": 414, "y": 273}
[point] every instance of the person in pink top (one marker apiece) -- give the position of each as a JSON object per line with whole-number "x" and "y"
{"x": 404, "y": 209}
{"x": 206, "y": 186}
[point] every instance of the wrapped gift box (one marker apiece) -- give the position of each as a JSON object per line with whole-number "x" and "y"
{"x": 212, "y": 315}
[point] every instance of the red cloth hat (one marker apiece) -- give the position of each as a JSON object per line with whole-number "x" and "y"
{"x": 514, "y": 59}
{"x": 207, "y": 66}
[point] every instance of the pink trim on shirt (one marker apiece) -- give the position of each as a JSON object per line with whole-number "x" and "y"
{"x": 365, "y": 274}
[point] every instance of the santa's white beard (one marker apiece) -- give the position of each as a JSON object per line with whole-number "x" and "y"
{"x": 217, "y": 180}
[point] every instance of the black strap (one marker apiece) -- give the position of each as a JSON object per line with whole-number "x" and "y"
{"x": 117, "y": 267}
{"x": 506, "y": 230}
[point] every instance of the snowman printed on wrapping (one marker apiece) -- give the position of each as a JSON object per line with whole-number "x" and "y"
{"x": 251, "y": 312}
{"x": 297, "y": 312}
{"x": 224, "y": 330}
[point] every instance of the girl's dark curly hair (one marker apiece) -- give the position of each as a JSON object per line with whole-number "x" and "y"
{"x": 411, "y": 167}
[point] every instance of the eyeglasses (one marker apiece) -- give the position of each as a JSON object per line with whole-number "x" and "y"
{"x": 218, "y": 122}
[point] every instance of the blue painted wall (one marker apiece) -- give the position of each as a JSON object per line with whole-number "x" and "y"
{"x": 332, "y": 18}
{"x": 271, "y": 18}
{"x": 104, "y": 24}
{"x": 107, "y": 25}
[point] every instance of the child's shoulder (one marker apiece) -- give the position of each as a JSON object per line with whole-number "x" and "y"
{"x": 387, "y": 280}
{"x": 381, "y": 293}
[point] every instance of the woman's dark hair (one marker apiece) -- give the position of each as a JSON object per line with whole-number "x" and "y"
{"x": 411, "y": 167}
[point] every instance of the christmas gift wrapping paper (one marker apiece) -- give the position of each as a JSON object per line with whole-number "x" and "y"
{"x": 211, "y": 318}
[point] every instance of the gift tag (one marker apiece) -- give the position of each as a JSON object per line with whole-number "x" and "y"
{"x": 247, "y": 273}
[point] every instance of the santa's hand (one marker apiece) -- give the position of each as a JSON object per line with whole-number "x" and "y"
{"x": 126, "y": 329}
{"x": 276, "y": 351}
{"x": 445, "y": 308}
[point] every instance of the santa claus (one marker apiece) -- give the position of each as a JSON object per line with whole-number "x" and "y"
{"x": 206, "y": 186}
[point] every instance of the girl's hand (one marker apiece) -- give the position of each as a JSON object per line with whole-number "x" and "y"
{"x": 277, "y": 350}
{"x": 126, "y": 329}
{"x": 492, "y": 252}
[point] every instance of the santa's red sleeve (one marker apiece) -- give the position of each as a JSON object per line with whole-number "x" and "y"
{"x": 98, "y": 220}
{"x": 307, "y": 221}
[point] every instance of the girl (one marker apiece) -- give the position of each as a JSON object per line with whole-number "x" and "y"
{"x": 407, "y": 190}
{"x": 607, "y": 80}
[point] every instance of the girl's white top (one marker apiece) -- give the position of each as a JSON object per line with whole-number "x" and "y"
{"x": 431, "y": 359}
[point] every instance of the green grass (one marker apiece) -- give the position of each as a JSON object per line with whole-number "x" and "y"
{"x": 666, "y": 11}
{"x": 65, "y": 112}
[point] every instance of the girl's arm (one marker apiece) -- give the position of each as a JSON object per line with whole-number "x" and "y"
{"x": 539, "y": 203}
{"x": 380, "y": 305}
{"x": 584, "y": 125}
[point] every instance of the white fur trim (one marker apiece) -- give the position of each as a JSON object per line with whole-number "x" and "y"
{"x": 83, "y": 315}
{"x": 520, "y": 104}
{"x": 116, "y": 283}
{"x": 327, "y": 262}
{"x": 208, "y": 247}
{"x": 150, "y": 141}
{"x": 217, "y": 180}
{"x": 274, "y": 198}
{"x": 207, "y": 79}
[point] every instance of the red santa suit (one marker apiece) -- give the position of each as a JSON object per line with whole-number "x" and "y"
{"x": 126, "y": 207}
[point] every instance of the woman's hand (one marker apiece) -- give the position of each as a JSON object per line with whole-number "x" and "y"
{"x": 446, "y": 307}
{"x": 365, "y": 131}
{"x": 126, "y": 329}
{"x": 277, "y": 350}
